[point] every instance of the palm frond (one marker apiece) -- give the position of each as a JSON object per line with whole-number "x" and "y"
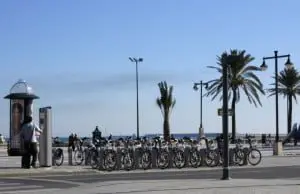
{"x": 240, "y": 75}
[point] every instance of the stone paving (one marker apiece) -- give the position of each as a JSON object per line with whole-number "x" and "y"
{"x": 187, "y": 186}
{"x": 9, "y": 166}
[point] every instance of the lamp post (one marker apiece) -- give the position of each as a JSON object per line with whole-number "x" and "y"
{"x": 136, "y": 61}
{"x": 201, "y": 84}
{"x": 288, "y": 64}
{"x": 226, "y": 172}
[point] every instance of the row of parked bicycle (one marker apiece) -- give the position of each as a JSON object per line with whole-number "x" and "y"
{"x": 130, "y": 154}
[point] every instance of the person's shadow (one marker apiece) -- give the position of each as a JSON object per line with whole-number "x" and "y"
{"x": 8, "y": 167}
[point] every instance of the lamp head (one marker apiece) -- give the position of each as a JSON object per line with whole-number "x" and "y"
{"x": 264, "y": 66}
{"x": 206, "y": 86}
{"x": 140, "y": 59}
{"x": 195, "y": 86}
{"x": 289, "y": 64}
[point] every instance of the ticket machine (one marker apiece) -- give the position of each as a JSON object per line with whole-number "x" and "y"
{"x": 45, "y": 151}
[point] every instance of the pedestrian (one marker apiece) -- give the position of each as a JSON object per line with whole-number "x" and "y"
{"x": 29, "y": 136}
{"x": 71, "y": 142}
{"x": 77, "y": 142}
{"x": 2, "y": 140}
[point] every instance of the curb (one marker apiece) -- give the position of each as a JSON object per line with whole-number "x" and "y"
{"x": 45, "y": 173}
{"x": 291, "y": 154}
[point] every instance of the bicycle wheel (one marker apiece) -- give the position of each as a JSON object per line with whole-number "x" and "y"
{"x": 179, "y": 159}
{"x": 163, "y": 159}
{"x": 110, "y": 160}
{"x": 79, "y": 157}
{"x": 146, "y": 159}
{"x": 195, "y": 158}
{"x": 212, "y": 158}
{"x": 58, "y": 157}
{"x": 254, "y": 156}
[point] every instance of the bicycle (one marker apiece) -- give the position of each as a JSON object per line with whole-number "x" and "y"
{"x": 252, "y": 153}
{"x": 162, "y": 154}
{"x": 127, "y": 155}
{"x": 145, "y": 153}
{"x": 79, "y": 154}
{"x": 195, "y": 158}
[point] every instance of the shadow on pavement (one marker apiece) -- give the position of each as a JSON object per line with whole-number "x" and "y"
{"x": 10, "y": 167}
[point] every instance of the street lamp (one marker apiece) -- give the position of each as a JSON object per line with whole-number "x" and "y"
{"x": 288, "y": 65}
{"x": 201, "y": 84}
{"x": 136, "y": 61}
{"x": 226, "y": 172}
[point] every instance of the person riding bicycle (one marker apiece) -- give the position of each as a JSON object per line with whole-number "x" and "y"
{"x": 96, "y": 135}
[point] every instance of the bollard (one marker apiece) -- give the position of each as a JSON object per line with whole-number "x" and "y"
{"x": 203, "y": 157}
{"x": 87, "y": 157}
{"x": 154, "y": 157}
{"x": 136, "y": 156}
{"x": 119, "y": 162}
{"x": 246, "y": 153}
{"x": 171, "y": 157}
{"x": 53, "y": 159}
{"x": 101, "y": 155}
{"x": 187, "y": 156}
{"x": 231, "y": 154}
{"x": 70, "y": 156}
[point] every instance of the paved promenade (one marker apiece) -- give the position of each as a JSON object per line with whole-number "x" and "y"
{"x": 187, "y": 186}
{"x": 273, "y": 175}
{"x": 12, "y": 164}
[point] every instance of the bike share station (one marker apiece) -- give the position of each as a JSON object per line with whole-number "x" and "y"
{"x": 126, "y": 155}
{"x": 103, "y": 156}
{"x": 129, "y": 157}
{"x": 21, "y": 98}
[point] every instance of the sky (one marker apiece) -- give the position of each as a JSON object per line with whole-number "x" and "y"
{"x": 75, "y": 56}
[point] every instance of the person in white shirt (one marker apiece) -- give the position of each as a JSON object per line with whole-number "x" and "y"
{"x": 2, "y": 140}
{"x": 29, "y": 134}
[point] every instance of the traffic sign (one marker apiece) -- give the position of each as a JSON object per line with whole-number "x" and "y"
{"x": 220, "y": 112}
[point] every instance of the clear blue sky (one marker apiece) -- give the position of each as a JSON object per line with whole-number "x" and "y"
{"x": 75, "y": 55}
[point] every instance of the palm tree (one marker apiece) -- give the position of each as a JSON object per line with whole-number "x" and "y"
{"x": 241, "y": 77}
{"x": 288, "y": 86}
{"x": 166, "y": 103}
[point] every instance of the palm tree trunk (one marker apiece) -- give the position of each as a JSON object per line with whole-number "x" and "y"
{"x": 233, "y": 115}
{"x": 166, "y": 127}
{"x": 290, "y": 113}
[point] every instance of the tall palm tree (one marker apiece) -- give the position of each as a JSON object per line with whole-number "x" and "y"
{"x": 241, "y": 77}
{"x": 288, "y": 86}
{"x": 166, "y": 103}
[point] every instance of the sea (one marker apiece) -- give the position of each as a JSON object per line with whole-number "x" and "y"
{"x": 193, "y": 136}
{"x": 150, "y": 136}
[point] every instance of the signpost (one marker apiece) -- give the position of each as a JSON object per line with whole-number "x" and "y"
{"x": 220, "y": 112}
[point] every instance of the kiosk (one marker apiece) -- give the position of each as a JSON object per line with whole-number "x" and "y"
{"x": 21, "y": 98}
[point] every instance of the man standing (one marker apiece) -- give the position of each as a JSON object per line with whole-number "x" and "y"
{"x": 29, "y": 134}
{"x": 71, "y": 142}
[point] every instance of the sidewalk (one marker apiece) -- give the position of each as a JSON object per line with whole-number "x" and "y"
{"x": 238, "y": 186}
{"x": 266, "y": 162}
{"x": 19, "y": 172}
{"x": 10, "y": 166}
